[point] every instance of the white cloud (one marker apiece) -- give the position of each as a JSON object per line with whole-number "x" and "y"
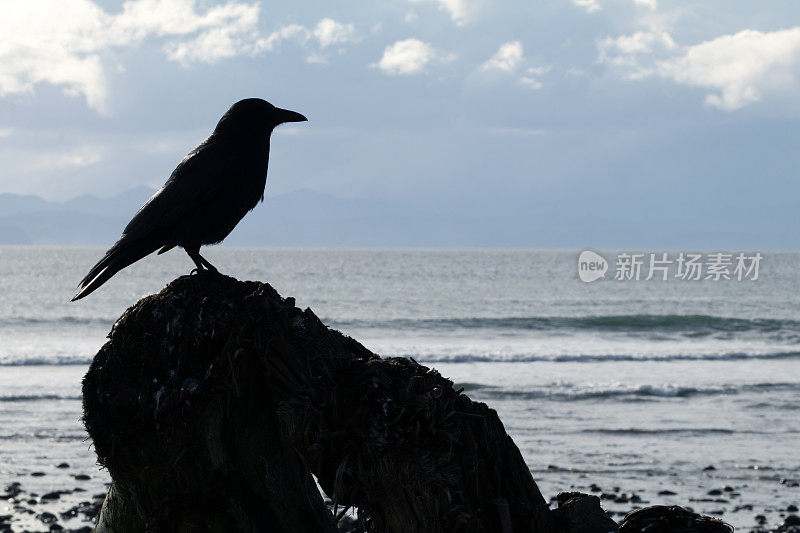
{"x": 295, "y": 32}
{"x": 34, "y": 160}
{"x": 742, "y": 67}
{"x": 531, "y": 77}
{"x": 739, "y": 68}
{"x": 594, "y": 5}
{"x": 652, "y": 4}
{"x": 635, "y": 55}
{"x": 64, "y": 42}
{"x": 588, "y": 5}
{"x": 329, "y": 32}
{"x": 507, "y": 57}
{"x": 457, "y": 9}
{"x": 409, "y": 56}
{"x": 143, "y": 18}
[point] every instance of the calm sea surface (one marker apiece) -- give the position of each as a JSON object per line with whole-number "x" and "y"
{"x": 636, "y": 386}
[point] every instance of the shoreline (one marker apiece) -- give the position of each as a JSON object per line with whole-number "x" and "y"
{"x": 74, "y": 508}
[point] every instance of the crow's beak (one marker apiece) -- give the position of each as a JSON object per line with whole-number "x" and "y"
{"x": 284, "y": 115}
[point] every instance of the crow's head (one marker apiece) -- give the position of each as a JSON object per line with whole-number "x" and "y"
{"x": 254, "y": 116}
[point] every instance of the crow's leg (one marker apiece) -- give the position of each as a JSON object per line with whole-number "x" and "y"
{"x": 202, "y": 264}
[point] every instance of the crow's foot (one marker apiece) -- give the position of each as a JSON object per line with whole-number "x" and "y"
{"x": 204, "y": 271}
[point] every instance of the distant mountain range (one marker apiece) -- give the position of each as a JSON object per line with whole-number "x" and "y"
{"x": 300, "y": 218}
{"x": 305, "y": 218}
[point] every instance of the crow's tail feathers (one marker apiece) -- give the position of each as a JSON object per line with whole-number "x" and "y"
{"x": 125, "y": 251}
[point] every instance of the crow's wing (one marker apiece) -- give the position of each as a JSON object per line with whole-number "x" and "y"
{"x": 195, "y": 181}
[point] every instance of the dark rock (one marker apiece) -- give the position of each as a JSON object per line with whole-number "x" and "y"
{"x": 62, "y": 465}
{"x": 728, "y": 488}
{"x": 791, "y": 508}
{"x": 667, "y": 493}
{"x": 37, "y": 474}
{"x": 47, "y": 518}
{"x": 608, "y": 496}
{"x": 88, "y": 510}
{"x": 52, "y": 495}
{"x": 595, "y": 488}
{"x": 33, "y": 501}
{"x": 82, "y": 477}
{"x": 671, "y": 519}
{"x": 12, "y": 491}
{"x": 760, "y": 518}
{"x": 789, "y": 482}
{"x": 622, "y": 498}
{"x": 278, "y": 394}
{"x": 792, "y": 520}
{"x": 709, "y": 468}
{"x": 581, "y": 513}
{"x": 714, "y": 492}
{"x": 635, "y": 498}
{"x": 56, "y": 527}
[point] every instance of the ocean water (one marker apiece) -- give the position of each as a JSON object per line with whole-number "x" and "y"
{"x": 636, "y": 386}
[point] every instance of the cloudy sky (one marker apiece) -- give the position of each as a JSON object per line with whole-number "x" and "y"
{"x": 655, "y": 117}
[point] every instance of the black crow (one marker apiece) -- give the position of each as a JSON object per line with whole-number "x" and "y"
{"x": 205, "y": 197}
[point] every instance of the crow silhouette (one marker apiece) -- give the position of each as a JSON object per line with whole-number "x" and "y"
{"x": 205, "y": 197}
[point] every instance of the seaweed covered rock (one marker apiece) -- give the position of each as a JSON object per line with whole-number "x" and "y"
{"x": 215, "y": 400}
{"x": 671, "y": 519}
{"x": 581, "y": 513}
